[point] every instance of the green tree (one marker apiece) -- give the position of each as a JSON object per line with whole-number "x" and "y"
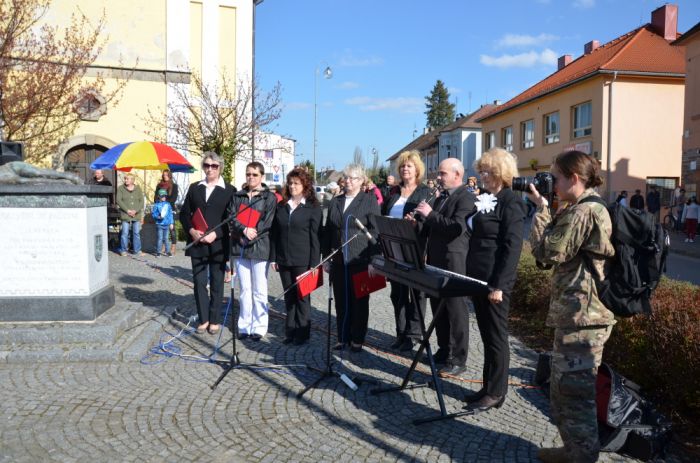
{"x": 440, "y": 111}
{"x": 309, "y": 166}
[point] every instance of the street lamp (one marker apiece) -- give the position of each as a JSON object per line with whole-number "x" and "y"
{"x": 327, "y": 74}
{"x": 252, "y": 87}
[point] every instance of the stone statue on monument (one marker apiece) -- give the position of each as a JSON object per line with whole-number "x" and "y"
{"x": 20, "y": 173}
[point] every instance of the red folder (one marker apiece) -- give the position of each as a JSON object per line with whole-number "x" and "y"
{"x": 248, "y": 216}
{"x": 198, "y": 221}
{"x": 365, "y": 284}
{"x": 309, "y": 281}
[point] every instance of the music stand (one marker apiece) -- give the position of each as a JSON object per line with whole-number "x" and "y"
{"x": 403, "y": 250}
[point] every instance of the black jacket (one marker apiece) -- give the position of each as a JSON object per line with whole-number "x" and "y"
{"x": 296, "y": 237}
{"x": 214, "y": 211}
{"x": 264, "y": 203}
{"x": 446, "y": 230}
{"x": 421, "y": 193}
{"x": 496, "y": 241}
{"x": 359, "y": 250}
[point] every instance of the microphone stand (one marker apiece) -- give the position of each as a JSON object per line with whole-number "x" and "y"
{"x": 328, "y": 371}
{"x": 234, "y": 362}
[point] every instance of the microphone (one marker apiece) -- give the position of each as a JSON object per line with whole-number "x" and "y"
{"x": 364, "y": 230}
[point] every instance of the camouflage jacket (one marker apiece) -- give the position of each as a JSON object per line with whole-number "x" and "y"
{"x": 560, "y": 242}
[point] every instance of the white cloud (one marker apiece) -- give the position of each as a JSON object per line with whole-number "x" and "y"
{"x": 583, "y": 4}
{"x": 518, "y": 40}
{"x": 522, "y": 60}
{"x": 347, "y": 85}
{"x": 400, "y": 104}
{"x": 349, "y": 59}
{"x": 296, "y": 105}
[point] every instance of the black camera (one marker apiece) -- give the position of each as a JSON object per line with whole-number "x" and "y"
{"x": 543, "y": 181}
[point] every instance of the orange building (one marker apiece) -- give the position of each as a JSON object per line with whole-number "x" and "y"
{"x": 690, "y": 168}
{"x": 621, "y": 102}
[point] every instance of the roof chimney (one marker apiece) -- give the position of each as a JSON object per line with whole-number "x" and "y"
{"x": 590, "y": 46}
{"x": 497, "y": 102}
{"x": 664, "y": 21}
{"x": 563, "y": 62}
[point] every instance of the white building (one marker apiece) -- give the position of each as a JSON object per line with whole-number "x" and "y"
{"x": 462, "y": 140}
{"x": 275, "y": 152}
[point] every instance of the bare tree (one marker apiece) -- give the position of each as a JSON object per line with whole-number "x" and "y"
{"x": 357, "y": 157}
{"x": 42, "y": 71}
{"x": 218, "y": 117}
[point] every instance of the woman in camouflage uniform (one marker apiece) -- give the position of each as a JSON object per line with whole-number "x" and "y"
{"x": 582, "y": 323}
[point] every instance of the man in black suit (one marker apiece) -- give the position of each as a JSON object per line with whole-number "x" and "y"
{"x": 447, "y": 247}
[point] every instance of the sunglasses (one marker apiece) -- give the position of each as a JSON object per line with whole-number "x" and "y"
{"x": 252, "y": 174}
{"x": 210, "y": 166}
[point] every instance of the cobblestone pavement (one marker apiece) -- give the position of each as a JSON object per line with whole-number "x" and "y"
{"x": 162, "y": 409}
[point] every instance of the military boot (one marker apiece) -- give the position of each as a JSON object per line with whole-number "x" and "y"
{"x": 554, "y": 455}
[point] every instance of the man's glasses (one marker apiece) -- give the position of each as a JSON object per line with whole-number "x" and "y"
{"x": 210, "y": 166}
{"x": 252, "y": 174}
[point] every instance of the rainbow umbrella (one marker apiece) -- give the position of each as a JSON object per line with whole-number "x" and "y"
{"x": 145, "y": 155}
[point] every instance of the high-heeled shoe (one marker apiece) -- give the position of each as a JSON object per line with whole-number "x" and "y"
{"x": 201, "y": 329}
{"x": 487, "y": 402}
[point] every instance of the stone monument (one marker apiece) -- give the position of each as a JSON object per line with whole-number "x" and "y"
{"x": 53, "y": 235}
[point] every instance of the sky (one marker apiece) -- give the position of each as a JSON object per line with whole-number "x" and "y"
{"x": 386, "y": 56}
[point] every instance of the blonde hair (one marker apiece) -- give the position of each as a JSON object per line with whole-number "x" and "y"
{"x": 414, "y": 157}
{"x": 355, "y": 170}
{"x": 500, "y": 163}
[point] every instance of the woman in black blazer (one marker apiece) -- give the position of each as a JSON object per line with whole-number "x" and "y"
{"x": 352, "y": 313}
{"x": 494, "y": 250}
{"x": 212, "y": 196}
{"x": 296, "y": 248}
{"x": 402, "y": 201}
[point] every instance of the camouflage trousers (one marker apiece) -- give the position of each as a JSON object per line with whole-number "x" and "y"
{"x": 575, "y": 360}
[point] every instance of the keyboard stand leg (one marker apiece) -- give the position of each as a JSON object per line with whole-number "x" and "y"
{"x": 424, "y": 345}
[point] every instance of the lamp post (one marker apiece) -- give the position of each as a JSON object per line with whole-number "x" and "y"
{"x": 252, "y": 87}
{"x": 327, "y": 74}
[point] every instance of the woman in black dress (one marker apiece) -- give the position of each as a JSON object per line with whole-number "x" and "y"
{"x": 296, "y": 248}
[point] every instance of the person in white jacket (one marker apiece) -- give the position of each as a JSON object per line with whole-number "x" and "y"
{"x": 690, "y": 216}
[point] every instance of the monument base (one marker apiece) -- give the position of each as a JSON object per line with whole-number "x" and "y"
{"x": 62, "y": 309}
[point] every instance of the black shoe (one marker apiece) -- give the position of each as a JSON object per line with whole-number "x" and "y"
{"x": 300, "y": 342}
{"x": 256, "y": 337}
{"x": 398, "y": 343}
{"x": 487, "y": 402}
{"x": 451, "y": 370}
{"x": 355, "y": 347}
{"x": 339, "y": 346}
{"x": 243, "y": 336}
{"x": 441, "y": 356}
{"x": 288, "y": 340}
{"x": 406, "y": 345}
{"x": 471, "y": 397}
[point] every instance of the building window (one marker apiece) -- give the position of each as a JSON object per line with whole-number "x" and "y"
{"x": 527, "y": 130}
{"x": 551, "y": 128}
{"x": 665, "y": 187}
{"x": 490, "y": 140}
{"x": 582, "y": 119}
{"x": 507, "y": 138}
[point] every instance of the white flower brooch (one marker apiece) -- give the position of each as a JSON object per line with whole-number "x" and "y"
{"x": 485, "y": 203}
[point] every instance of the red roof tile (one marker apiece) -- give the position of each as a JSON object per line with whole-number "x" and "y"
{"x": 639, "y": 51}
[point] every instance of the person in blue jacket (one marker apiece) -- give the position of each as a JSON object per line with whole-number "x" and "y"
{"x": 163, "y": 215}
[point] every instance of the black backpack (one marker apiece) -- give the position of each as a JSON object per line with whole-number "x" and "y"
{"x": 628, "y": 424}
{"x": 641, "y": 246}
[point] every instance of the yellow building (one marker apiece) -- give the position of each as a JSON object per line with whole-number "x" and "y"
{"x": 621, "y": 102}
{"x": 157, "y": 43}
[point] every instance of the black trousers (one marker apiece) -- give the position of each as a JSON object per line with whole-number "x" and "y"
{"x": 297, "y": 325}
{"x": 209, "y": 301}
{"x": 352, "y": 313}
{"x": 493, "y": 326}
{"x": 408, "y": 319}
{"x": 452, "y": 328}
